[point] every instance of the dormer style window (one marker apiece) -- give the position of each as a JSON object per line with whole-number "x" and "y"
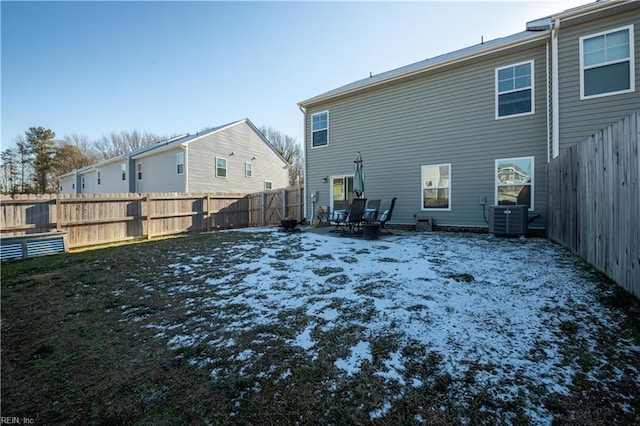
{"x": 514, "y": 90}
{"x": 320, "y": 129}
{"x": 606, "y": 63}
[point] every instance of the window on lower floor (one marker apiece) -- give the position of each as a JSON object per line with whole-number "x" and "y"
{"x": 268, "y": 184}
{"x": 248, "y": 169}
{"x": 123, "y": 171}
{"x": 607, "y": 63}
{"x": 514, "y": 181}
{"x": 139, "y": 170}
{"x": 514, "y": 90}
{"x": 221, "y": 167}
{"x": 436, "y": 187}
{"x": 180, "y": 163}
{"x": 98, "y": 177}
{"x": 320, "y": 129}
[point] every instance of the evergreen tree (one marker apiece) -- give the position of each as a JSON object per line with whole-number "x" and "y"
{"x": 43, "y": 147}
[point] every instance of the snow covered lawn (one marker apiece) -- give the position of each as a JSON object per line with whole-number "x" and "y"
{"x": 420, "y": 327}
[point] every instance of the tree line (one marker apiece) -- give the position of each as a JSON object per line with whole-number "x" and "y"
{"x": 36, "y": 161}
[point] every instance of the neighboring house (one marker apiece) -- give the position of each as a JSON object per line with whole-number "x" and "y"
{"x": 231, "y": 158}
{"x": 452, "y": 135}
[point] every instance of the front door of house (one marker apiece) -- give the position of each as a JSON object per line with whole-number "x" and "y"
{"x": 341, "y": 192}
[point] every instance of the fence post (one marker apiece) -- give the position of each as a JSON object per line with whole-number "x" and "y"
{"x": 207, "y": 215}
{"x": 284, "y": 203}
{"x": 301, "y": 203}
{"x": 146, "y": 212}
{"x": 58, "y": 213}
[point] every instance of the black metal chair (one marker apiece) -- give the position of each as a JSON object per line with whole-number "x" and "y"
{"x": 338, "y": 219}
{"x": 353, "y": 221}
{"x": 386, "y": 216}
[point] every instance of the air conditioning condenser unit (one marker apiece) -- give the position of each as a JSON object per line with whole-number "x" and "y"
{"x": 508, "y": 220}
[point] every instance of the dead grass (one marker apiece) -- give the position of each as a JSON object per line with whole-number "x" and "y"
{"x": 102, "y": 337}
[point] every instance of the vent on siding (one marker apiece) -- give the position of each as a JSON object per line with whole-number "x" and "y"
{"x": 508, "y": 220}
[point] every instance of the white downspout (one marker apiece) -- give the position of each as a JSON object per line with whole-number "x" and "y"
{"x": 555, "y": 95}
{"x": 304, "y": 171}
{"x": 186, "y": 168}
{"x": 548, "y": 103}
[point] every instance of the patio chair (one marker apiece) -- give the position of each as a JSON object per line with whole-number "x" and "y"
{"x": 338, "y": 219}
{"x": 372, "y": 210}
{"x": 386, "y": 216}
{"x": 353, "y": 221}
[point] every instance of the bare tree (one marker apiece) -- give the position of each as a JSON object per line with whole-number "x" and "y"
{"x": 119, "y": 143}
{"x": 9, "y": 158}
{"x": 290, "y": 150}
{"x": 74, "y": 152}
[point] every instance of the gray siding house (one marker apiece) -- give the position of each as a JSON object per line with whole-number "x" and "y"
{"x": 231, "y": 158}
{"x": 452, "y": 135}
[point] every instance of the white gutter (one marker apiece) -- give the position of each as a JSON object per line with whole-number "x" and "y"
{"x": 555, "y": 95}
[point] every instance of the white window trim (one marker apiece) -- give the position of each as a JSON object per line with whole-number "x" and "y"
{"x": 495, "y": 178}
{"x": 265, "y": 185}
{"x": 248, "y": 167}
{"x": 422, "y": 188}
{"x": 631, "y": 59}
{"x": 98, "y": 177}
{"x": 226, "y": 167}
{"x": 327, "y": 128}
{"x": 139, "y": 171}
{"x": 123, "y": 172}
{"x": 179, "y": 155}
{"x": 497, "y": 92}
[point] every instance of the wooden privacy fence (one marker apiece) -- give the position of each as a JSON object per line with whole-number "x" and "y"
{"x": 594, "y": 201}
{"x": 90, "y": 219}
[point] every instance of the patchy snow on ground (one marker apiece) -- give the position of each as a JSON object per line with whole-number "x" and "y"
{"x": 496, "y": 306}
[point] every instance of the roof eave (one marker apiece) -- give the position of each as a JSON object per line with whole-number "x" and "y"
{"x": 418, "y": 72}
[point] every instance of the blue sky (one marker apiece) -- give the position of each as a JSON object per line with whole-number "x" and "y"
{"x": 175, "y": 67}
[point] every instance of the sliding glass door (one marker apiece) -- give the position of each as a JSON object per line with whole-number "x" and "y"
{"x": 341, "y": 192}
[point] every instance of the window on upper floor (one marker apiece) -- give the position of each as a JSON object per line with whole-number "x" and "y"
{"x": 436, "y": 187}
{"x": 123, "y": 171}
{"x": 248, "y": 169}
{"x": 180, "y": 163}
{"x": 607, "y": 63}
{"x": 320, "y": 129}
{"x": 139, "y": 170}
{"x": 514, "y": 181}
{"x": 514, "y": 90}
{"x": 98, "y": 177}
{"x": 221, "y": 167}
